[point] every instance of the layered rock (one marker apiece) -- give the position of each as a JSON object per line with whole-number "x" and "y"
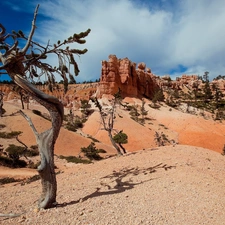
{"x": 122, "y": 74}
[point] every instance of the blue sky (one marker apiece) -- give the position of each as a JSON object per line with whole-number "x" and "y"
{"x": 171, "y": 37}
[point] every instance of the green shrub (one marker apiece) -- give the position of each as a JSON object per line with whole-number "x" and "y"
{"x": 91, "y": 152}
{"x": 86, "y": 108}
{"x": 5, "y": 161}
{"x": 73, "y": 126}
{"x": 120, "y": 138}
{"x": 75, "y": 159}
{"x": 33, "y": 151}
{"x": 9, "y": 135}
{"x": 14, "y": 152}
{"x": 8, "y": 162}
{"x": 158, "y": 96}
{"x": 8, "y": 180}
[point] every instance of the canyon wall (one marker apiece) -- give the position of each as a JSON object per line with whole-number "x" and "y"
{"x": 122, "y": 74}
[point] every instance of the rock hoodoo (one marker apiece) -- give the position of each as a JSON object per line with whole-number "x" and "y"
{"x": 122, "y": 73}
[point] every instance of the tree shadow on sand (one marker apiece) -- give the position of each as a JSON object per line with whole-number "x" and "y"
{"x": 120, "y": 181}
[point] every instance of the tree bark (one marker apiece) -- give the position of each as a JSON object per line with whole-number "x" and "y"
{"x": 46, "y": 169}
{"x": 124, "y": 150}
{"x": 45, "y": 141}
{"x": 113, "y": 143}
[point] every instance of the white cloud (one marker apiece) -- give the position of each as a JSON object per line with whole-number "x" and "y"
{"x": 191, "y": 33}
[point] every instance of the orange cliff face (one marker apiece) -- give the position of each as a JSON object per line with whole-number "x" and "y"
{"x": 122, "y": 74}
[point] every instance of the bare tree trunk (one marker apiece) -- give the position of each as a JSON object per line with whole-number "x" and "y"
{"x": 21, "y": 63}
{"x": 46, "y": 169}
{"x": 45, "y": 141}
{"x": 124, "y": 150}
{"x": 114, "y": 143}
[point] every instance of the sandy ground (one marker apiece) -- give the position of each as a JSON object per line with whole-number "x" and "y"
{"x": 158, "y": 185}
{"x": 167, "y": 185}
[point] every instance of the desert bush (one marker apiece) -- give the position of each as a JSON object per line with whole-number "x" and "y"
{"x": 14, "y": 152}
{"x": 120, "y": 138}
{"x": 134, "y": 113}
{"x": 8, "y": 162}
{"x": 33, "y": 151}
{"x": 158, "y": 96}
{"x": 7, "y": 180}
{"x": 5, "y": 161}
{"x": 86, "y": 108}
{"x": 91, "y": 152}
{"x": 75, "y": 159}
{"x": 34, "y": 165}
{"x": 9, "y": 135}
{"x": 74, "y": 125}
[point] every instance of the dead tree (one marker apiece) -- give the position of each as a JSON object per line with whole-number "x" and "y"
{"x": 108, "y": 119}
{"x": 23, "y": 65}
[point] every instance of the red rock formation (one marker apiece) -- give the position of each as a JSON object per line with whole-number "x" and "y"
{"x": 122, "y": 73}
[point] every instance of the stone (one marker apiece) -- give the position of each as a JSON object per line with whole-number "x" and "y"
{"x": 122, "y": 74}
